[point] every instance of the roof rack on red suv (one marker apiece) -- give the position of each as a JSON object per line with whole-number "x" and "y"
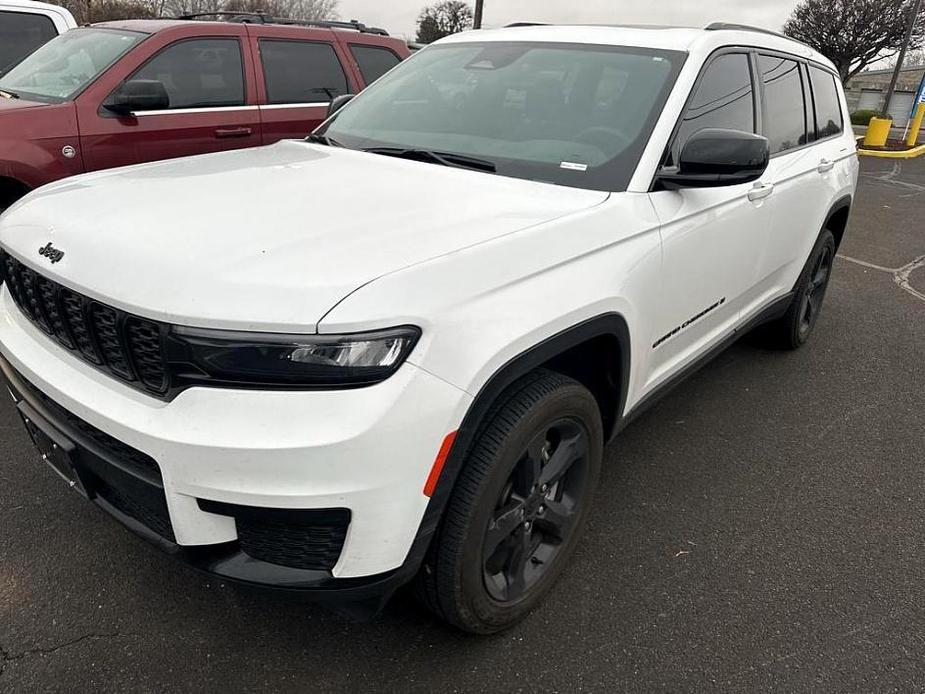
{"x": 261, "y": 18}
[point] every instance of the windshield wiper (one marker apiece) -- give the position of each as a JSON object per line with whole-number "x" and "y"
{"x": 7, "y": 94}
{"x": 323, "y": 140}
{"x": 460, "y": 161}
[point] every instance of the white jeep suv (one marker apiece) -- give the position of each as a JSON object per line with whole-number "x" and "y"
{"x": 397, "y": 349}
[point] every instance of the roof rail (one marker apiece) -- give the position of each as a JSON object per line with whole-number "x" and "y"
{"x": 726, "y": 26}
{"x": 243, "y": 17}
{"x": 514, "y": 25}
{"x": 261, "y": 18}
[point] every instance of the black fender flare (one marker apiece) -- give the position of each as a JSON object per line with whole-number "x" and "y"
{"x": 839, "y": 205}
{"x": 842, "y": 204}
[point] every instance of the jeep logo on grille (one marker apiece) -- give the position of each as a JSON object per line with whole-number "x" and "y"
{"x": 52, "y": 253}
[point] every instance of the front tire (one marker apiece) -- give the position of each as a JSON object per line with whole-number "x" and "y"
{"x": 794, "y": 328}
{"x": 518, "y": 507}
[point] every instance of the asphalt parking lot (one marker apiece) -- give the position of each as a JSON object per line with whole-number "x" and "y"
{"x": 762, "y": 528}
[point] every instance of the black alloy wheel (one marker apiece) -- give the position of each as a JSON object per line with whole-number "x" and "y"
{"x": 518, "y": 506}
{"x": 814, "y": 291}
{"x": 536, "y": 510}
{"x": 794, "y": 328}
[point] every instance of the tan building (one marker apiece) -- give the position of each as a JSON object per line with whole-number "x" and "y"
{"x": 867, "y": 90}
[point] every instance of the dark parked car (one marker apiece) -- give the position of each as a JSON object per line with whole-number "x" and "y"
{"x": 25, "y": 25}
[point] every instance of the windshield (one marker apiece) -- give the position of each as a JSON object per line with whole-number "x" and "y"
{"x": 60, "y": 69}
{"x": 575, "y": 115}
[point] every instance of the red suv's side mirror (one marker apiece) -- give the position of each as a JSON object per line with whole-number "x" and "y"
{"x": 138, "y": 95}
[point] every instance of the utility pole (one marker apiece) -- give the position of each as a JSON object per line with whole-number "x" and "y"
{"x": 477, "y": 19}
{"x": 913, "y": 17}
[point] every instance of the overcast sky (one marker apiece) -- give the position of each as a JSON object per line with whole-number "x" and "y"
{"x": 399, "y": 16}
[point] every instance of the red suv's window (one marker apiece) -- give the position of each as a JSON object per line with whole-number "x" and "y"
{"x": 199, "y": 73}
{"x": 374, "y": 61}
{"x": 300, "y": 72}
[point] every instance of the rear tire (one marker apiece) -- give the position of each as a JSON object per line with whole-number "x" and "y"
{"x": 794, "y": 328}
{"x": 518, "y": 506}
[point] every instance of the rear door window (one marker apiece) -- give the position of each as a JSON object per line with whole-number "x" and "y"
{"x": 199, "y": 73}
{"x": 20, "y": 34}
{"x": 784, "y": 105}
{"x": 724, "y": 98}
{"x": 374, "y": 61}
{"x": 828, "y": 106}
{"x": 301, "y": 72}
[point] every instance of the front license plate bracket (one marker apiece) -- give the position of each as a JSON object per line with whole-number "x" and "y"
{"x": 55, "y": 448}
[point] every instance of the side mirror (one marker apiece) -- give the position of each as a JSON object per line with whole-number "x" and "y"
{"x": 716, "y": 157}
{"x": 138, "y": 95}
{"x": 338, "y": 102}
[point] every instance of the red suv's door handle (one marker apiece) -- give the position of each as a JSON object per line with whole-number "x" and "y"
{"x": 233, "y": 132}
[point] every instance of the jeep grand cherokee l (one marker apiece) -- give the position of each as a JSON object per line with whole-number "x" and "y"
{"x": 127, "y": 92}
{"x": 406, "y": 361}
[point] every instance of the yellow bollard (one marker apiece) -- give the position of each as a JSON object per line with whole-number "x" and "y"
{"x": 916, "y": 125}
{"x": 877, "y": 132}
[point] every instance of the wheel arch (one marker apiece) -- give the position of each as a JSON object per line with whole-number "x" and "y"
{"x": 566, "y": 352}
{"x": 596, "y": 347}
{"x": 836, "y": 220}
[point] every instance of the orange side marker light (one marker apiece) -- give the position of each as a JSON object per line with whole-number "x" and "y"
{"x": 431, "y": 484}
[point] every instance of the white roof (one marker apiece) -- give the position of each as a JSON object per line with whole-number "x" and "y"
{"x": 688, "y": 40}
{"x": 40, "y": 8}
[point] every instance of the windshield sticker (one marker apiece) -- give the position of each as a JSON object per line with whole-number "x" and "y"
{"x": 573, "y": 166}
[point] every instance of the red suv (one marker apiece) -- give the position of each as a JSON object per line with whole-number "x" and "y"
{"x": 120, "y": 93}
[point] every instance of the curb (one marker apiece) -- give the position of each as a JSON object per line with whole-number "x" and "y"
{"x": 908, "y": 154}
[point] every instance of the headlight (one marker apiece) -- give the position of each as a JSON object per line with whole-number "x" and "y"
{"x": 230, "y": 358}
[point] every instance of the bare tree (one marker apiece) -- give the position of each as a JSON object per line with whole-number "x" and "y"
{"x": 87, "y": 11}
{"x": 914, "y": 58}
{"x": 176, "y": 8}
{"x": 291, "y": 9}
{"x": 854, "y": 33}
{"x": 442, "y": 19}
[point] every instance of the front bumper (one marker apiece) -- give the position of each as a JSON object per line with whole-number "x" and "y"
{"x": 366, "y": 452}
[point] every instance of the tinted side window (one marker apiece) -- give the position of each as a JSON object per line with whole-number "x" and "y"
{"x": 300, "y": 72}
{"x": 828, "y": 105}
{"x": 22, "y": 33}
{"x": 723, "y": 99}
{"x": 785, "y": 110}
{"x": 374, "y": 61}
{"x": 199, "y": 73}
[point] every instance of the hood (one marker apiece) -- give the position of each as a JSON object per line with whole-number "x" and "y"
{"x": 15, "y": 105}
{"x": 268, "y": 238}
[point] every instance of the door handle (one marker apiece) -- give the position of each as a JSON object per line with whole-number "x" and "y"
{"x": 760, "y": 191}
{"x": 825, "y": 166}
{"x": 233, "y": 132}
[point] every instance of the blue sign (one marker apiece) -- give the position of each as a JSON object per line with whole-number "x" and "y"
{"x": 919, "y": 97}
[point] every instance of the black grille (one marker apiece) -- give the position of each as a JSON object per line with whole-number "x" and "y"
{"x": 136, "y": 499}
{"x": 128, "y": 347}
{"x": 300, "y": 539}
